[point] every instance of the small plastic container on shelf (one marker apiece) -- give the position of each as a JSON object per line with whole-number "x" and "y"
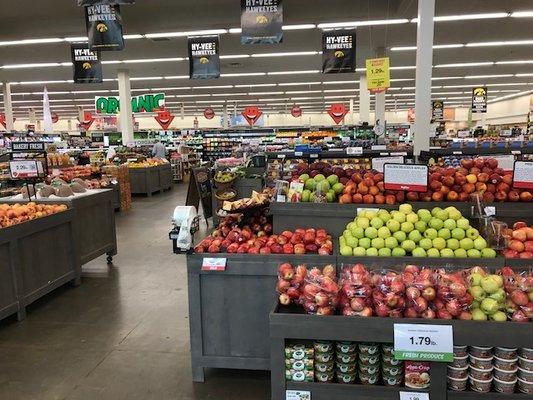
{"x": 387, "y": 350}
{"x": 346, "y": 378}
{"x": 480, "y": 352}
{"x": 505, "y": 375}
{"x": 324, "y": 367}
{"x": 346, "y": 358}
{"x": 369, "y": 360}
{"x": 346, "y": 347}
{"x": 457, "y": 385}
{"x": 389, "y": 360}
{"x": 505, "y": 353}
{"x": 480, "y": 374}
{"x": 392, "y": 380}
{"x": 346, "y": 368}
{"x": 392, "y": 370}
{"x": 323, "y": 346}
{"x": 524, "y": 363}
{"x": 506, "y": 364}
{"x": 504, "y": 386}
{"x": 480, "y": 386}
{"x": 457, "y": 373}
{"x": 460, "y": 362}
{"x": 368, "y": 349}
{"x": 324, "y": 377}
{"x": 526, "y": 353}
{"x": 460, "y": 351}
{"x": 369, "y": 379}
{"x": 525, "y": 375}
{"x": 481, "y": 363}
{"x": 368, "y": 369}
{"x": 525, "y": 386}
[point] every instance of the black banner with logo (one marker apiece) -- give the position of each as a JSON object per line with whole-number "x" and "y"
{"x": 338, "y": 51}
{"x": 87, "y": 66}
{"x": 261, "y": 21}
{"x": 108, "y": 2}
{"x": 437, "y": 111}
{"x": 479, "y": 99}
{"x": 104, "y": 27}
{"x": 204, "y": 59}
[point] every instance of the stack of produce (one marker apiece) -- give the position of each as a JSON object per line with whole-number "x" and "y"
{"x": 391, "y": 369}
{"x": 13, "y": 214}
{"x": 80, "y": 171}
{"x": 324, "y": 361}
{"x": 370, "y": 365}
{"x": 436, "y": 233}
{"x": 299, "y": 363}
{"x": 149, "y": 162}
{"x": 346, "y": 362}
{"x": 519, "y": 294}
{"x": 519, "y": 241}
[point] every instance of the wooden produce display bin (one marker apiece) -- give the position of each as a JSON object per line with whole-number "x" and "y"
{"x": 36, "y": 257}
{"x": 166, "y": 178}
{"x": 122, "y": 175}
{"x": 144, "y": 180}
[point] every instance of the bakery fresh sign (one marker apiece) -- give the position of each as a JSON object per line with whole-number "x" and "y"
{"x": 149, "y": 103}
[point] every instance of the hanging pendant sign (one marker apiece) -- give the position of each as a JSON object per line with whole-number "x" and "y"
{"x": 437, "y": 111}
{"x": 261, "y": 21}
{"x": 338, "y": 51}
{"x": 146, "y": 103}
{"x": 337, "y": 112}
{"x": 87, "y": 66}
{"x": 252, "y": 114}
{"x": 296, "y": 111}
{"x": 3, "y": 121}
{"x": 412, "y": 177}
{"x": 378, "y": 74}
{"x": 479, "y": 99}
{"x": 523, "y": 175}
{"x": 108, "y": 2}
{"x": 164, "y": 118}
{"x": 104, "y": 27}
{"x": 204, "y": 59}
{"x": 209, "y": 113}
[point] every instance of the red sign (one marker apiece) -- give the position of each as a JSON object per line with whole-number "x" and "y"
{"x": 164, "y": 118}
{"x": 209, "y": 113}
{"x": 3, "y": 120}
{"x": 252, "y": 114}
{"x": 88, "y": 120}
{"x": 411, "y": 115}
{"x": 337, "y": 111}
{"x": 55, "y": 117}
{"x": 523, "y": 175}
{"x": 296, "y": 111}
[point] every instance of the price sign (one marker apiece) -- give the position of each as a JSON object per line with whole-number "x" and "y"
{"x": 505, "y": 162}
{"x": 361, "y": 209}
{"x": 418, "y": 342}
{"x": 298, "y": 153}
{"x": 523, "y": 175}
{"x": 414, "y": 396}
{"x": 401, "y": 153}
{"x": 381, "y": 147}
{"x": 214, "y": 264}
{"x": 313, "y": 155}
{"x": 297, "y": 395}
{"x": 379, "y": 162}
{"x": 281, "y": 156}
{"x": 490, "y": 211}
{"x": 354, "y": 150}
{"x": 23, "y": 169}
{"x": 378, "y": 74}
{"x": 413, "y": 177}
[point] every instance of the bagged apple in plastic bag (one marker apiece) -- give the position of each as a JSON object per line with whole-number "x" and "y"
{"x": 420, "y": 292}
{"x": 290, "y": 283}
{"x": 356, "y": 291}
{"x": 320, "y": 291}
{"x": 388, "y": 295}
{"x": 453, "y": 297}
{"x": 519, "y": 289}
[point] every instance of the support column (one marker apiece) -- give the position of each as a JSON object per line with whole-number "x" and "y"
{"x": 380, "y": 107}
{"x": 126, "y": 113}
{"x": 32, "y": 116}
{"x": 364, "y": 100}
{"x": 424, "y": 58}
{"x": 8, "y": 107}
{"x": 352, "y": 116}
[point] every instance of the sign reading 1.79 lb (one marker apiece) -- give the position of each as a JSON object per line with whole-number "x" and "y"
{"x": 420, "y": 342}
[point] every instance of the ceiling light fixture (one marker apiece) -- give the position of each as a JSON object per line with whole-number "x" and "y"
{"x": 234, "y": 56}
{"x": 242, "y": 74}
{"x": 149, "y": 60}
{"x": 184, "y": 34}
{"x": 299, "y": 83}
{"x": 311, "y": 71}
{"x": 286, "y": 54}
{"x": 254, "y": 85}
{"x": 264, "y": 93}
{"x": 362, "y": 23}
{"x": 466, "y": 64}
{"x": 489, "y": 76}
{"x": 510, "y": 62}
{"x": 522, "y": 14}
{"x": 501, "y": 43}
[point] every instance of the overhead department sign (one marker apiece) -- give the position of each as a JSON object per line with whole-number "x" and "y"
{"x": 149, "y": 103}
{"x": 479, "y": 99}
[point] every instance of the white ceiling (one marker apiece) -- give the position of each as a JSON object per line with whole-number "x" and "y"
{"x": 309, "y": 88}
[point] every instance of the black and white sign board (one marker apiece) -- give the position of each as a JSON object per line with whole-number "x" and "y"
{"x": 412, "y": 177}
{"x": 379, "y": 162}
{"x": 25, "y": 169}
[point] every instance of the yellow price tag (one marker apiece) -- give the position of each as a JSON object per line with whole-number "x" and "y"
{"x": 378, "y": 73}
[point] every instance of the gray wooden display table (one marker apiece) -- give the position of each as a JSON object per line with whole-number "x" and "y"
{"x": 36, "y": 257}
{"x": 150, "y": 180}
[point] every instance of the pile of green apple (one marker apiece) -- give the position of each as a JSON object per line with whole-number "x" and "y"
{"x": 489, "y": 296}
{"x": 330, "y": 187}
{"x": 404, "y": 232}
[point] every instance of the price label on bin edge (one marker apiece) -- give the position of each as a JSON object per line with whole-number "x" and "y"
{"x": 413, "y": 177}
{"x": 23, "y": 169}
{"x": 297, "y": 395}
{"x": 379, "y": 162}
{"x": 214, "y": 264}
{"x": 419, "y": 342}
{"x": 354, "y": 150}
{"x": 414, "y": 396}
{"x": 523, "y": 175}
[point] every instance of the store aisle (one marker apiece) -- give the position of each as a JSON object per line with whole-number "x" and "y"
{"x": 123, "y": 334}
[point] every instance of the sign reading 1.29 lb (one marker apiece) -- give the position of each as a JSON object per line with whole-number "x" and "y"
{"x": 412, "y": 177}
{"x": 420, "y": 342}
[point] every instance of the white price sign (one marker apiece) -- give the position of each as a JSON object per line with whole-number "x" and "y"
{"x": 297, "y": 395}
{"x": 354, "y": 150}
{"x": 420, "y": 342}
{"x": 405, "y": 177}
{"x": 414, "y": 396}
{"x": 23, "y": 169}
{"x": 523, "y": 175}
{"x": 490, "y": 211}
{"x": 505, "y": 162}
{"x": 379, "y": 147}
{"x": 378, "y": 162}
{"x": 298, "y": 153}
{"x": 313, "y": 155}
{"x": 214, "y": 264}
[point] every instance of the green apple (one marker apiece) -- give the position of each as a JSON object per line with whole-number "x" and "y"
{"x": 499, "y": 295}
{"x": 330, "y": 196}
{"x": 421, "y": 226}
{"x": 319, "y": 177}
{"x": 400, "y": 236}
{"x": 435, "y": 210}
{"x": 338, "y": 188}
{"x": 466, "y": 243}
{"x": 436, "y": 223}
{"x": 369, "y": 214}
{"x": 312, "y": 197}
{"x": 463, "y": 223}
{"x": 475, "y": 304}
{"x": 491, "y": 283}
{"x": 310, "y": 184}
{"x": 412, "y": 218}
{"x": 378, "y": 243}
{"x": 458, "y": 233}
{"x": 347, "y": 234}
{"x": 371, "y": 232}
{"x": 352, "y": 242}
{"x": 444, "y": 233}
{"x": 363, "y": 222}
{"x": 304, "y": 177}
{"x": 365, "y": 242}
{"x": 439, "y": 243}
{"x": 478, "y": 315}
{"x": 393, "y": 225}
{"x": 384, "y": 232}
{"x": 450, "y": 224}
{"x": 306, "y": 195}
{"x": 490, "y": 306}
{"x": 473, "y": 253}
{"x": 406, "y": 208}
{"x": 372, "y": 252}
{"x": 431, "y": 233}
{"x": 499, "y": 316}
{"x": 408, "y": 245}
{"x": 351, "y": 225}
{"x": 472, "y": 233}
{"x": 424, "y": 215}
{"x": 342, "y": 241}
{"x": 419, "y": 252}
{"x": 359, "y": 252}
{"x": 447, "y": 253}
{"x": 460, "y": 253}
{"x": 480, "y": 243}
{"x": 488, "y": 253}
{"x": 398, "y": 252}
{"x": 407, "y": 227}
{"x": 384, "y": 217}
{"x": 391, "y": 242}
{"x": 398, "y": 216}
{"x": 323, "y": 186}
{"x": 454, "y": 213}
{"x": 332, "y": 179}
{"x": 384, "y": 252}
{"x": 425, "y": 243}
{"x": 415, "y": 236}
{"x": 477, "y": 293}
{"x": 346, "y": 251}
{"x": 433, "y": 253}
{"x": 453, "y": 244}
{"x": 475, "y": 279}
{"x": 358, "y": 232}
{"x": 376, "y": 222}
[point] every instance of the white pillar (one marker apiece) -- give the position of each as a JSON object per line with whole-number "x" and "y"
{"x": 126, "y": 114}
{"x": 424, "y": 58}
{"x": 8, "y": 107}
{"x": 379, "y": 105}
{"x": 352, "y": 116}
{"x": 364, "y": 100}
{"x": 81, "y": 117}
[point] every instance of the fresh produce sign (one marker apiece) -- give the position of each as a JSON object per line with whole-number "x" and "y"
{"x": 405, "y": 177}
{"x": 419, "y": 342}
{"x": 145, "y": 103}
{"x": 523, "y": 175}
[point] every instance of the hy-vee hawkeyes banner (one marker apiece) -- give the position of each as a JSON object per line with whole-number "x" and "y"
{"x": 261, "y": 21}
{"x": 104, "y": 27}
{"x": 338, "y": 51}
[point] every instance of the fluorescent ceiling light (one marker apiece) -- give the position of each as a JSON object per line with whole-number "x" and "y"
{"x": 437, "y": 46}
{"x": 362, "y": 23}
{"x": 35, "y": 65}
{"x": 30, "y": 41}
{"x": 522, "y": 14}
{"x": 467, "y": 64}
{"x": 404, "y": 67}
{"x": 213, "y": 87}
{"x": 210, "y": 101}
{"x": 443, "y": 78}
{"x": 271, "y": 99}
{"x": 401, "y": 80}
{"x": 340, "y": 90}
{"x": 302, "y": 91}
{"x": 252, "y": 85}
{"x": 146, "y": 78}
{"x": 311, "y": 71}
{"x": 76, "y": 39}
{"x": 111, "y": 62}
{"x": 522, "y": 75}
{"x": 298, "y": 27}
{"x": 488, "y": 76}
{"x": 299, "y": 83}
{"x": 133, "y": 36}
{"x": 264, "y": 93}
{"x": 501, "y": 43}
{"x": 179, "y": 96}
{"x": 41, "y": 82}
{"x": 510, "y": 62}
{"x": 149, "y": 60}
{"x": 403, "y": 48}
{"x": 243, "y": 74}
{"x": 229, "y": 94}
{"x": 234, "y": 56}
{"x": 176, "y": 77}
{"x": 235, "y": 30}
{"x": 286, "y": 54}
{"x": 183, "y": 34}
{"x": 306, "y": 98}
{"x": 463, "y": 17}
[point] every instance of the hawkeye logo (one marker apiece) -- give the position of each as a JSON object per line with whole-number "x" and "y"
{"x": 261, "y": 19}
{"x": 101, "y": 27}
{"x": 204, "y": 60}
{"x": 479, "y": 91}
{"x": 339, "y": 54}
{"x": 86, "y": 65}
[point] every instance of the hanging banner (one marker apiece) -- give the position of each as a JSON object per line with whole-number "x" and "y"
{"x": 338, "y": 51}
{"x": 108, "y": 2}
{"x": 296, "y": 111}
{"x": 104, "y": 27}
{"x": 139, "y": 104}
{"x": 378, "y": 74}
{"x": 261, "y": 21}
{"x": 209, "y": 113}
{"x": 55, "y": 118}
{"x": 337, "y": 112}
{"x": 252, "y": 114}
{"x": 87, "y": 66}
{"x": 437, "y": 111}
{"x": 164, "y": 118}
{"x": 204, "y": 59}
{"x": 479, "y": 99}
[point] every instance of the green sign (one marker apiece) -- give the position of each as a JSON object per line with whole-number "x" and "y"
{"x": 421, "y": 342}
{"x": 139, "y": 104}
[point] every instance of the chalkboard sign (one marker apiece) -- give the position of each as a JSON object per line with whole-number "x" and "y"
{"x": 27, "y": 147}
{"x": 200, "y": 190}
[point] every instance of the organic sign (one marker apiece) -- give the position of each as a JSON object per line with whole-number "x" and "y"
{"x": 411, "y": 177}
{"x": 437, "y": 111}
{"x": 378, "y": 74}
{"x": 87, "y": 66}
{"x": 252, "y": 114}
{"x": 338, "y": 51}
{"x": 139, "y": 104}
{"x": 104, "y": 27}
{"x": 479, "y": 99}
{"x": 261, "y": 21}
{"x": 337, "y": 112}
{"x": 204, "y": 60}
{"x": 420, "y": 342}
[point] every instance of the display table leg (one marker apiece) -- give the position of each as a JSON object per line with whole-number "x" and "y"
{"x": 198, "y": 374}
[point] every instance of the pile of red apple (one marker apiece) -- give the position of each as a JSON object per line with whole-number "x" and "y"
{"x": 356, "y": 291}
{"x": 453, "y": 300}
{"x": 519, "y": 241}
{"x": 519, "y": 289}
{"x": 420, "y": 292}
{"x": 315, "y": 290}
